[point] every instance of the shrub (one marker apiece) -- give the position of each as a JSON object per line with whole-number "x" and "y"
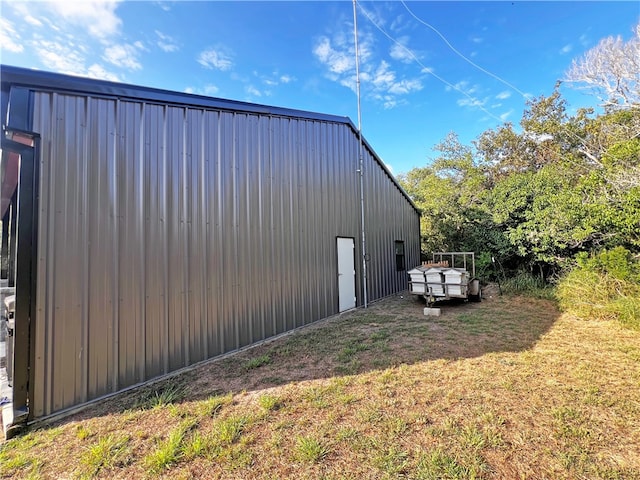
{"x": 524, "y": 283}
{"x": 603, "y": 286}
{"x": 617, "y": 263}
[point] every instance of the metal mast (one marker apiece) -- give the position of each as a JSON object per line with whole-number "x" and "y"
{"x": 361, "y": 159}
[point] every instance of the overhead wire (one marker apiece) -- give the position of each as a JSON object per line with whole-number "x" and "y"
{"x": 444, "y": 39}
{"x": 427, "y": 69}
{"x": 454, "y": 87}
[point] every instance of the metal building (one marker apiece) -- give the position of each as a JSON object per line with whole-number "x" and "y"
{"x": 144, "y": 231}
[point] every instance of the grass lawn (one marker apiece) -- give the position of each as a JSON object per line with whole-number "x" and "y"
{"x": 504, "y": 389}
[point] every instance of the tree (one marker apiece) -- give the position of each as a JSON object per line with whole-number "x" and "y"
{"x": 535, "y": 199}
{"x": 450, "y": 193}
{"x": 612, "y": 70}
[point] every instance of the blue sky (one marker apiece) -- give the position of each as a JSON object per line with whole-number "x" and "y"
{"x": 416, "y": 87}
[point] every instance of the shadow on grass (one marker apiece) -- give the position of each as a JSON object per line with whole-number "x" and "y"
{"x": 389, "y": 333}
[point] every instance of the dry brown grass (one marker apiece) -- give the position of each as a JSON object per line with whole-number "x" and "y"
{"x": 505, "y": 389}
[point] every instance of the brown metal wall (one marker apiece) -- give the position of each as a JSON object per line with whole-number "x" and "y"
{"x": 388, "y": 218}
{"x": 172, "y": 234}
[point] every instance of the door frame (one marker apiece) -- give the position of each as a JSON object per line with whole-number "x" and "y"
{"x": 26, "y": 145}
{"x": 338, "y": 274}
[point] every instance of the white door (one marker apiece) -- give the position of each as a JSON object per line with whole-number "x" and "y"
{"x": 346, "y": 274}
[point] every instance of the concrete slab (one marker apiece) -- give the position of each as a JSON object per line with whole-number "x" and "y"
{"x": 433, "y": 312}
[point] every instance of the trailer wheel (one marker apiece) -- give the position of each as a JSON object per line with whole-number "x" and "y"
{"x": 476, "y": 298}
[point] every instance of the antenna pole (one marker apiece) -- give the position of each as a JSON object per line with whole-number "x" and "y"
{"x": 360, "y": 160}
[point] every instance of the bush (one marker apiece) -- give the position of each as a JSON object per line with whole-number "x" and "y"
{"x": 618, "y": 263}
{"x": 523, "y": 283}
{"x": 603, "y": 286}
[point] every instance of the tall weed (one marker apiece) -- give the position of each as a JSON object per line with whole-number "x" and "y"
{"x": 523, "y": 283}
{"x": 603, "y": 286}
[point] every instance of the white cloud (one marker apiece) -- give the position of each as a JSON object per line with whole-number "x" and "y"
{"x": 460, "y": 86}
{"x": 506, "y": 115}
{"x": 471, "y": 102}
{"x": 219, "y": 58}
{"x": 384, "y": 80}
{"x": 584, "y": 40}
{"x": 566, "y": 49}
{"x": 32, "y": 21}
{"x": 378, "y": 79}
{"x": 9, "y": 38}
{"x": 122, "y": 55}
{"x": 477, "y": 39}
{"x": 337, "y": 61}
{"x": 472, "y": 90}
{"x": 251, "y": 90}
{"x": 388, "y": 101}
{"x": 208, "y": 90}
{"x": 59, "y": 57}
{"x": 405, "y": 86}
{"x": 275, "y": 79}
{"x": 469, "y": 92}
{"x": 166, "y": 43}
{"x": 98, "y": 71}
{"x": 400, "y": 52}
{"x": 383, "y": 77}
{"x": 503, "y": 95}
{"x": 375, "y": 16}
{"x": 211, "y": 89}
{"x": 98, "y": 17}
{"x": 338, "y": 56}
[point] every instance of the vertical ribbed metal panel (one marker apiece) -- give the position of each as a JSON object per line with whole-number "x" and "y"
{"x": 389, "y": 217}
{"x": 171, "y": 234}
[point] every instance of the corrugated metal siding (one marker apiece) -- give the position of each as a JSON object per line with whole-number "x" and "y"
{"x": 169, "y": 235}
{"x": 389, "y": 217}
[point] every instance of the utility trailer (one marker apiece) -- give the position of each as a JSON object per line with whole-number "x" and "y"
{"x": 447, "y": 276}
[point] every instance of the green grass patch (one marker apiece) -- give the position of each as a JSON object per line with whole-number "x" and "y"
{"x": 391, "y": 459}
{"x": 160, "y": 396}
{"x": 167, "y": 453}
{"x": 439, "y": 465}
{"x": 257, "y": 362}
{"x": 351, "y": 349}
{"x": 310, "y": 449}
{"x": 270, "y": 402}
{"x": 197, "y": 445}
{"x": 108, "y": 452}
{"x": 228, "y": 430}
{"x": 212, "y": 405}
{"x": 19, "y": 465}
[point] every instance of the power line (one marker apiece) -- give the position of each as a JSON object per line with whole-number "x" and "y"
{"x": 462, "y": 56}
{"x": 427, "y": 69}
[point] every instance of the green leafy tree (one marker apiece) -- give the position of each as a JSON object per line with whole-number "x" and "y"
{"x": 538, "y": 196}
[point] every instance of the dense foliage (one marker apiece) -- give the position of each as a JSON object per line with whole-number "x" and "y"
{"x": 603, "y": 285}
{"x": 534, "y": 199}
{"x": 541, "y": 199}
